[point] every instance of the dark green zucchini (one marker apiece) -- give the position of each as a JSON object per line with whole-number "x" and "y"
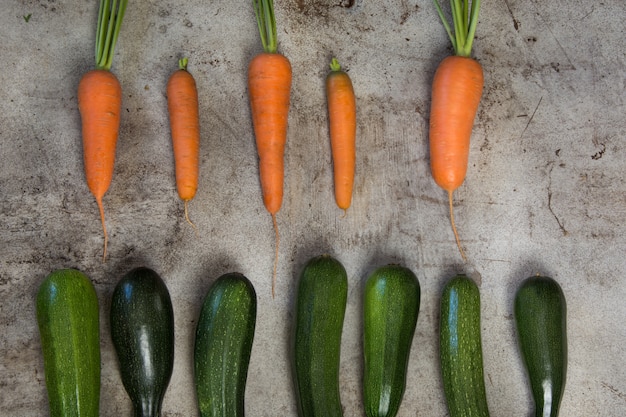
{"x": 224, "y": 337}
{"x": 460, "y": 347}
{"x": 320, "y": 309}
{"x": 67, "y": 316}
{"x": 390, "y": 310}
{"x": 540, "y": 316}
{"x": 142, "y": 329}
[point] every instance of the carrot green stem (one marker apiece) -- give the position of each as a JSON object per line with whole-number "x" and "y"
{"x": 182, "y": 64}
{"x": 464, "y": 21}
{"x": 334, "y": 65}
{"x": 110, "y": 16}
{"x": 264, "y": 11}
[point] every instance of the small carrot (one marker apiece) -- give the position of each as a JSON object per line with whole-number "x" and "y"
{"x": 100, "y": 105}
{"x": 269, "y": 88}
{"x": 342, "y": 123}
{"x": 456, "y": 91}
{"x": 182, "y": 103}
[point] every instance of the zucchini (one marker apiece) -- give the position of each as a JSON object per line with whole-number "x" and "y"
{"x": 460, "y": 349}
{"x": 540, "y": 317}
{"x": 224, "y": 337}
{"x": 142, "y": 329}
{"x": 320, "y": 309}
{"x": 391, "y": 306}
{"x": 67, "y": 316}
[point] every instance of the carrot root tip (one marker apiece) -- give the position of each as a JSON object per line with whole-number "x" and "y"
{"x": 275, "y": 224}
{"x": 104, "y": 229}
{"x": 456, "y": 234}
{"x": 187, "y": 217}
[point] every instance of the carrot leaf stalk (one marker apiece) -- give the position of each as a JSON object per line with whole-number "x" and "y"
{"x": 264, "y": 11}
{"x": 110, "y": 16}
{"x": 464, "y": 19}
{"x": 182, "y": 63}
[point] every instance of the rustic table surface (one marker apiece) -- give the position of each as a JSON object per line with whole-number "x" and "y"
{"x": 545, "y": 190}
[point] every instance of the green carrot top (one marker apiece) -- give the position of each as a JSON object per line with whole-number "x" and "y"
{"x": 334, "y": 65}
{"x": 264, "y": 11}
{"x": 464, "y": 19}
{"x": 182, "y": 63}
{"x": 110, "y": 16}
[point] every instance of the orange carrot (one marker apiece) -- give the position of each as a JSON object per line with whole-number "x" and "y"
{"x": 456, "y": 91}
{"x": 342, "y": 123}
{"x": 182, "y": 101}
{"x": 269, "y": 87}
{"x": 99, "y": 104}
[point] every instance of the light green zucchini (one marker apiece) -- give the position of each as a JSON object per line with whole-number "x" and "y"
{"x": 67, "y": 315}
{"x": 461, "y": 356}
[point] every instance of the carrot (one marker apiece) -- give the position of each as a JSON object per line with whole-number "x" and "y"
{"x": 456, "y": 91}
{"x": 100, "y": 105}
{"x": 182, "y": 102}
{"x": 269, "y": 87}
{"x": 342, "y": 122}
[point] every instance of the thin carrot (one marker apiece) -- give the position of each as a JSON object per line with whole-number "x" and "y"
{"x": 342, "y": 123}
{"x": 456, "y": 92}
{"x": 182, "y": 103}
{"x": 100, "y": 105}
{"x": 269, "y": 88}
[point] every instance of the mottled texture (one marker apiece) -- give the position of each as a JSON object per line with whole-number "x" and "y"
{"x": 222, "y": 346}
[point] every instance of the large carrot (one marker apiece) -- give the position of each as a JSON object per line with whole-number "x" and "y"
{"x": 182, "y": 103}
{"x": 456, "y": 92}
{"x": 342, "y": 123}
{"x": 100, "y": 105}
{"x": 269, "y": 88}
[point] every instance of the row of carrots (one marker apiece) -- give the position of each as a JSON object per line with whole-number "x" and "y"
{"x": 456, "y": 92}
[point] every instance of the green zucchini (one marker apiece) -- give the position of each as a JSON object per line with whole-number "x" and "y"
{"x": 142, "y": 329}
{"x": 540, "y": 316}
{"x": 320, "y": 309}
{"x": 391, "y": 306}
{"x": 461, "y": 357}
{"x": 67, "y": 316}
{"x": 224, "y": 337}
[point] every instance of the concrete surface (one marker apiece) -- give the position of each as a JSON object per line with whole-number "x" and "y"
{"x": 545, "y": 191}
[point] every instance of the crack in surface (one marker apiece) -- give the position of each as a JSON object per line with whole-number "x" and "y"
{"x": 531, "y": 118}
{"x": 614, "y": 390}
{"x": 559, "y": 222}
{"x": 516, "y": 23}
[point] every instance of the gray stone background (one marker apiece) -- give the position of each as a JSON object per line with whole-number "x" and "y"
{"x": 545, "y": 190}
